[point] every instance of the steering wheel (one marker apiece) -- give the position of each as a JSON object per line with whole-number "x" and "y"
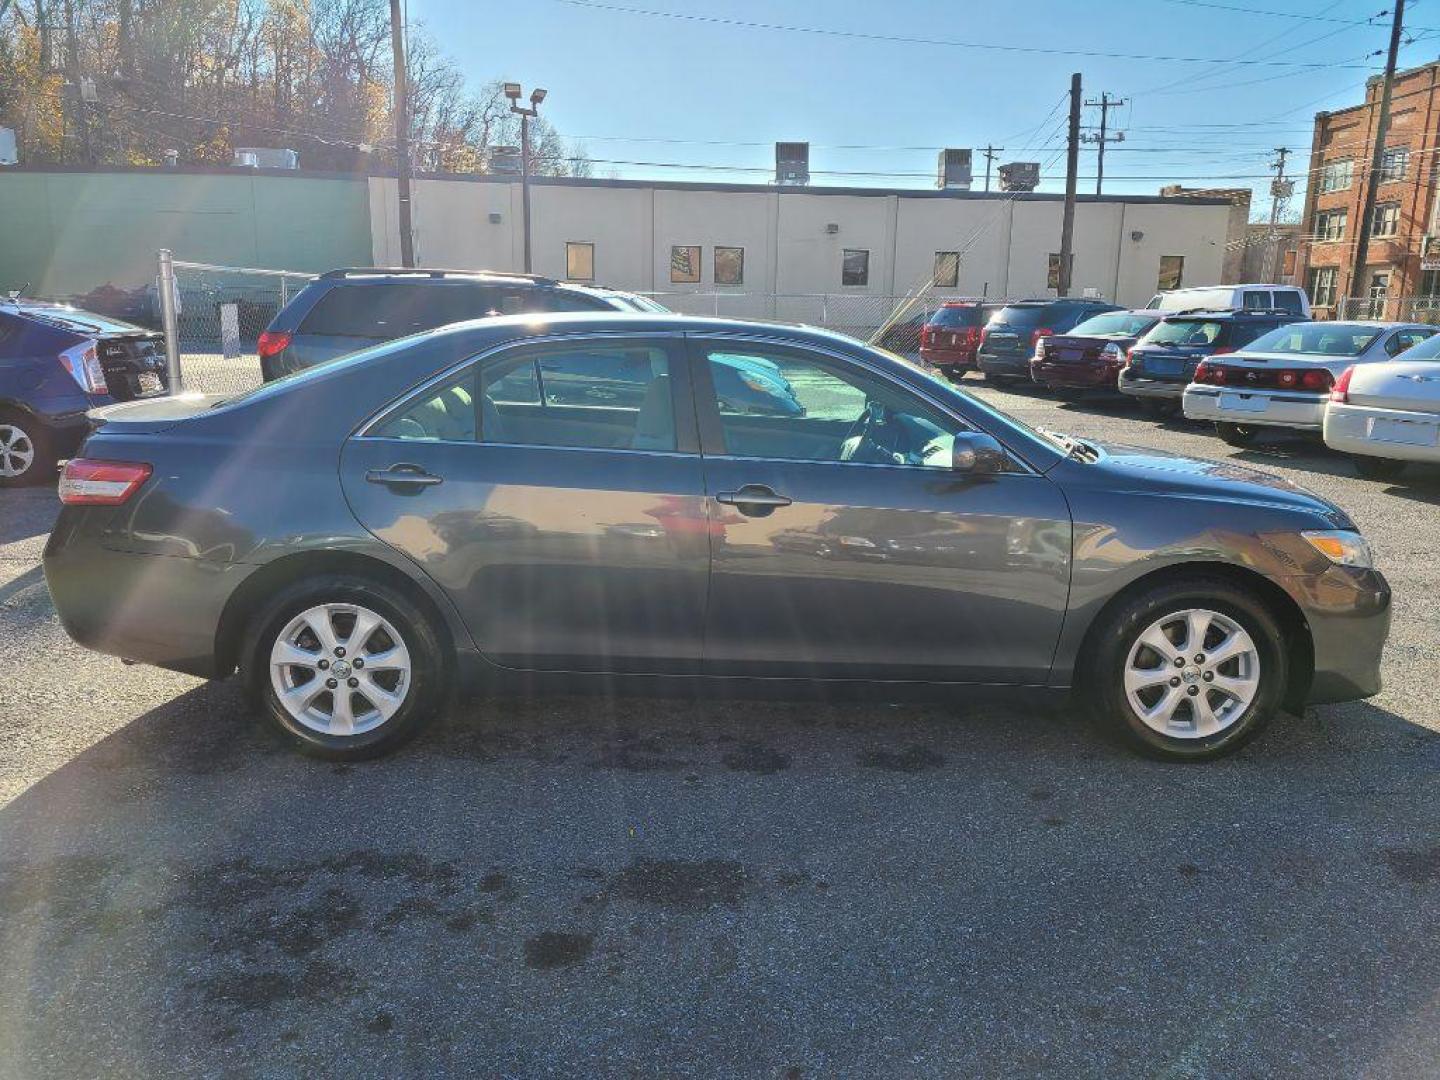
{"x": 870, "y": 445}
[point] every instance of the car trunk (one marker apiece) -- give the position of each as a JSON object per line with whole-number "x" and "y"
{"x": 1176, "y": 363}
{"x": 146, "y": 416}
{"x": 134, "y": 364}
{"x": 1412, "y": 386}
{"x": 1067, "y": 349}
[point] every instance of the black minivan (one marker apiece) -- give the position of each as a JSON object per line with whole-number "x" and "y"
{"x": 1009, "y": 339}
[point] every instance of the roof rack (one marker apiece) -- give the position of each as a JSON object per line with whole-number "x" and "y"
{"x": 415, "y": 271}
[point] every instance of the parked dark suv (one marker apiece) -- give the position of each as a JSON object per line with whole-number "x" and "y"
{"x": 55, "y": 363}
{"x": 346, "y": 310}
{"x": 1010, "y": 337}
{"x": 1162, "y": 363}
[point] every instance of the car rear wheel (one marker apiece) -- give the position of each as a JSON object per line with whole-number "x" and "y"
{"x": 26, "y": 454}
{"x": 1188, "y": 671}
{"x": 1156, "y": 409}
{"x": 1236, "y": 434}
{"x": 345, "y": 668}
{"x": 1378, "y": 468}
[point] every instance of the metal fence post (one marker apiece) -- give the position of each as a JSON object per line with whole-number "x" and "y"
{"x": 169, "y": 321}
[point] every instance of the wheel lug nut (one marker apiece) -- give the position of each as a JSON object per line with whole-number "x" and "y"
{"x": 331, "y": 684}
{"x": 1193, "y": 691}
{"x": 1199, "y": 658}
{"x": 1209, "y": 676}
{"x": 354, "y": 682}
{"x": 324, "y": 664}
{"x": 1175, "y": 681}
{"x": 358, "y": 663}
{"x": 1179, "y": 661}
{"x": 339, "y": 650}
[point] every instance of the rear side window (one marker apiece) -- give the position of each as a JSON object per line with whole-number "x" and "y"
{"x": 1243, "y": 332}
{"x": 384, "y": 312}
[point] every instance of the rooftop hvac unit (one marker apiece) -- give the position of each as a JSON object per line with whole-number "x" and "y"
{"x": 953, "y": 170}
{"x": 265, "y": 157}
{"x": 505, "y": 160}
{"x": 1020, "y": 176}
{"x": 792, "y": 163}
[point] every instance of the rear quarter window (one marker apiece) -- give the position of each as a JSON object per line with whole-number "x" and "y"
{"x": 385, "y": 312}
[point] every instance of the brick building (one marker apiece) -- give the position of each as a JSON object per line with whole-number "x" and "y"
{"x": 1405, "y": 208}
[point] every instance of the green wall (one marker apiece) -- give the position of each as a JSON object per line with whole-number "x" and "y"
{"x": 68, "y": 232}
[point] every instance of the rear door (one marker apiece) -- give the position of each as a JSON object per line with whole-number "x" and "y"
{"x": 553, "y": 489}
{"x": 845, "y": 546}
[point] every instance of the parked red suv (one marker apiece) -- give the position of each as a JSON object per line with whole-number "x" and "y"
{"x": 1090, "y": 356}
{"x": 949, "y": 339}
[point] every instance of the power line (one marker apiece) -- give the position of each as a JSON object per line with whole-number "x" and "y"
{"x": 899, "y": 39}
{"x": 1236, "y": 9}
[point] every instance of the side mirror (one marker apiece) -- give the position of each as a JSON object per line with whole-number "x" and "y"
{"x": 976, "y": 453}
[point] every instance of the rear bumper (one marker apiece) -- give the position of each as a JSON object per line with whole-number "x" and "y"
{"x": 1257, "y": 408}
{"x": 1352, "y": 429}
{"x": 1003, "y": 364}
{"x": 948, "y": 359}
{"x": 1083, "y": 376}
{"x": 1150, "y": 388}
{"x": 158, "y": 609}
{"x": 1348, "y": 613}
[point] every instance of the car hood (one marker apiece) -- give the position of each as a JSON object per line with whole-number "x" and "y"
{"x": 1165, "y": 473}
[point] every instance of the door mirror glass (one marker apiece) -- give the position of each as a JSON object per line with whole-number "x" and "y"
{"x": 977, "y": 453}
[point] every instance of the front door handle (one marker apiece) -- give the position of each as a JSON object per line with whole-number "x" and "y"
{"x": 404, "y": 476}
{"x": 753, "y": 500}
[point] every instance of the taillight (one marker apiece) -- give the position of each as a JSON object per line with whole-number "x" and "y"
{"x": 1317, "y": 379}
{"x": 101, "y": 483}
{"x": 272, "y": 342}
{"x": 1341, "y": 390}
{"x": 1213, "y": 374}
{"x": 1111, "y": 353}
{"x": 927, "y": 335}
{"x": 83, "y": 364}
{"x": 973, "y": 335}
{"x": 1038, "y": 333}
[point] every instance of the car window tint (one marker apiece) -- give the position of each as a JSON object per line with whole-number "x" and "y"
{"x": 388, "y": 311}
{"x": 1286, "y": 300}
{"x": 1186, "y": 332}
{"x": 592, "y": 395}
{"x": 801, "y": 407}
{"x": 1405, "y": 339}
{"x": 1257, "y": 299}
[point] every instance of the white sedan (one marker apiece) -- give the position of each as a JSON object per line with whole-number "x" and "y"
{"x": 1283, "y": 379}
{"x": 1387, "y": 414}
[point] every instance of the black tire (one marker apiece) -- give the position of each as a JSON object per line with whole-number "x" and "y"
{"x": 1378, "y": 468}
{"x": 21, "y": 431}
{"x": 1236, "y": 434}
{"x": 1108, "y": 652}
{"x": 428, "y": 679}
{"x": 1156, "y": 408}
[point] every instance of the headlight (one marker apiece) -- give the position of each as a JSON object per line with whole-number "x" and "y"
{"x": 1342, "y": 547}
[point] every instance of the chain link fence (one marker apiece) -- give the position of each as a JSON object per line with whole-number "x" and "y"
{"x": 1419, "y": 309}
{"x": 220, "y": 313}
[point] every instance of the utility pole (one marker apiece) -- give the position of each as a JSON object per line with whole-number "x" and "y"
{"x": 1372, "y": 179}
{"x": 513, "y": 92}
{"x": 1280, "y": 191}
{"x": 1072, "y": 168}
{"x": 402, "y": 134}
{"x": 1105, "y": 104}
{"x": 991, "y": 153}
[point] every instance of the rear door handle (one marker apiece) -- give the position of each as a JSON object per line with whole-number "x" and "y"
{"x": 403, "y": 476}
{"x": 754, "y": 500}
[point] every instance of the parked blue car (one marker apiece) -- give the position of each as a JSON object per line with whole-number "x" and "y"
{"x": 55, "y": 363}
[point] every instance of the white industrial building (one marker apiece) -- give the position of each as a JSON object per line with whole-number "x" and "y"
{"x": 760, "y": 241}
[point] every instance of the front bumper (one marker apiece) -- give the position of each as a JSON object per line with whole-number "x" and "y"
{"x": 1256, "y": 408}
{"x": 1353, "y": 429}
{"x": 1348, "y": 614}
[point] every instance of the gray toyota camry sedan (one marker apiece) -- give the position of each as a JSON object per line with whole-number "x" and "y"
{"x": 633, "y": 502}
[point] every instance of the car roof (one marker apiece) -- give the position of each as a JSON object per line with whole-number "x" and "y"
{"x": 370, "y": 275}
{"x": 68, "y": 317}
{"x": 1230, "y": 313}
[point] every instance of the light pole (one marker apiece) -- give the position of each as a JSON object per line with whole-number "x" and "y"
{"x": 512, "y": 91}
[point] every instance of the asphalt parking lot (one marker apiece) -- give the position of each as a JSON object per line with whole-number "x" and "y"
{"x": 672, "y": 888}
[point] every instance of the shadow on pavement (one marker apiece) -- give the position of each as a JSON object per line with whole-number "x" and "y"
{"x": 654, "y": 887}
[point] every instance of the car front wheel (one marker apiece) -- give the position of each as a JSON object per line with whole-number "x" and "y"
{"x": 1236, "y": 434}
{"x": 1188, "y": 671}
{"x": 345, "y": 668}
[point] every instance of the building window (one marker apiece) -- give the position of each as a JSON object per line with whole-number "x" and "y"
{"x": 1172, "y": 271}
{"x": 685, "y": 265}
{"x": 1335, "y": 175}
{"x": 1052, "y": 271}
{"x": 1330, "y": 224}
{"x": 729, "y": 266}
{"x": 947, "y": 269}
{"x": 855, "y": 269}
{"x": 1379, "y": 284}
{"x": 1394, "y": 163}
{"x": 580, "y": 261}
{"x": 1430, "y": 282}
{"x": 1386, "y": 221}
{"x": 1322, "y": 285}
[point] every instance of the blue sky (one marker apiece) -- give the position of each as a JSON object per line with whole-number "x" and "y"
{"x": 646, "y": 88}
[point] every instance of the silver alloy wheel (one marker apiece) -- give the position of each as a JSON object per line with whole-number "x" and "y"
{"x": 340, "y": 669}
{"x": 17, "y": 451}
{"x": 1192, "y": 674}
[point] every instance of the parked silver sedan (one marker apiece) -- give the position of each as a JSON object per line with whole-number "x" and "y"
{"x": 1388, "y": 414}
{"x": 1283, "y": 379}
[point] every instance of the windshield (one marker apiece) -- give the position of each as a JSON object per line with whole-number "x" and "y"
{"x": 1023, "y": 315}
{"x": 1318, "y": 339}
{"x": 1198, "y": 332}
{"x": 958, "y": 315}
{"x": 1115, "y": 324}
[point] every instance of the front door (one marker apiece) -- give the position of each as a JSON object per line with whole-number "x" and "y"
{"x": 554, "y": 491}
{"x": 844, "y": 545}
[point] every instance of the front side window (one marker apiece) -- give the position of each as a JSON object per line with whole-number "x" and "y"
{"x": 826, "y": 411}
{"x": 947, "y": 269}
{"x": 855, "y": 267}
{"x": 580, "y": 261}
{"x": 1172, "y": 270}
{"x": 598, "y": 395}
{"x": 1322, "y": 285}
{"x": 685, "y": 264}
{"x": 1386, "y": 221}
{"x": 1406, "y": 339}
{"x": 729, "y": 266}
